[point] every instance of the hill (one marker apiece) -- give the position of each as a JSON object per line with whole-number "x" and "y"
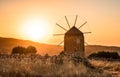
{"x": 96, "y": 48}
{"x": 6, "y": 45}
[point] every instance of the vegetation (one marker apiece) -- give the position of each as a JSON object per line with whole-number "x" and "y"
{"x": 106, "y": 55}
{"x": 46, "y": 56}
{"x": 17, "y": 65}
{"x": 18, "y": 50}
{"x": 23, "y": 50}
{"x": 112, "y": 67}
{"x": 31, "y": 49}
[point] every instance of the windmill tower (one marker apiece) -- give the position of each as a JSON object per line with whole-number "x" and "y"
{"x": 74, "y": 41}
{"x": 73, "y": 38}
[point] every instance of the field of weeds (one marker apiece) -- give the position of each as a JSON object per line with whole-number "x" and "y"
{"x": 45, "y": 66}
{"x": 112, "y": 67}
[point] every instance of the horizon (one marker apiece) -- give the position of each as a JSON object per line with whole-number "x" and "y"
{"x": 22, "y": 20}
{"x": 56, "y": 44}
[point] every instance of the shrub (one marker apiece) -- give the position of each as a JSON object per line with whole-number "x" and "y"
{"x": 31, "y": 49}
{"x": 103, "y": 54}
{"x": 46, "y": 56}
{"x": 23, "y": 50}
{"x": 18, "y": 50}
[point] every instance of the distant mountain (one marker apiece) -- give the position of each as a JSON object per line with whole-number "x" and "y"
{"x": 7, "y": 44}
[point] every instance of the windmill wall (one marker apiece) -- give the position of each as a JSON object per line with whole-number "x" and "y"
{"x": 74, "y": 43}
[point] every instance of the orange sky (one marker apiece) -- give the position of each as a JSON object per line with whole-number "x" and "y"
{"x": 103, "y": 17}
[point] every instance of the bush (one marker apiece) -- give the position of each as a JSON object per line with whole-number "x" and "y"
{"x": 23, "y": 50}
{"x": 30, "y": 49}
{"x": 18, "y": 50}
{"x": 46, "y": 55}
{"x": 103, "y": 54}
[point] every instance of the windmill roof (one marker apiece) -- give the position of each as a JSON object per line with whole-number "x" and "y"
{"x": 74, "y": 31}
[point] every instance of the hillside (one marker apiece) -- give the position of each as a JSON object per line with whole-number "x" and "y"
{"x": 6, "y": 45}
{"x": 95, "y": 48}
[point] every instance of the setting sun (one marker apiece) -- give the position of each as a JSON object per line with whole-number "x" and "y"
{"x": 37, "y": 29}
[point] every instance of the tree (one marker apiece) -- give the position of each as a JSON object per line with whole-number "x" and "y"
{"x": 30, "y": 49}
{"x": 18, "y": 50}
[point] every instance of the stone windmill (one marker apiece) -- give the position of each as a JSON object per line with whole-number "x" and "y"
{"x": 73, "y": 38}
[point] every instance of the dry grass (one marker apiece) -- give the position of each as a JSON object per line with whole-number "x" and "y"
{"x": 112, "y": 67}
{"x": 37, "y": 66}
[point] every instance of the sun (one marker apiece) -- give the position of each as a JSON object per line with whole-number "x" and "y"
{"x": 36, "y": 29}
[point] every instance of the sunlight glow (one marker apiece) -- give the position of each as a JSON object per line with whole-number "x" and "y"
{"x": 36, "y": 29}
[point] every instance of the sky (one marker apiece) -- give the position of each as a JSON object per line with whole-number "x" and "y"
{"x": 102, "y": 16}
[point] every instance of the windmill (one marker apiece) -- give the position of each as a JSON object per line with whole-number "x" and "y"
{"x": 73, "y": 38}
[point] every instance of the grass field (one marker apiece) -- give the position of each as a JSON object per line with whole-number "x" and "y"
{"x": 41, "y": 66}
{"x": 112, "y": 67}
